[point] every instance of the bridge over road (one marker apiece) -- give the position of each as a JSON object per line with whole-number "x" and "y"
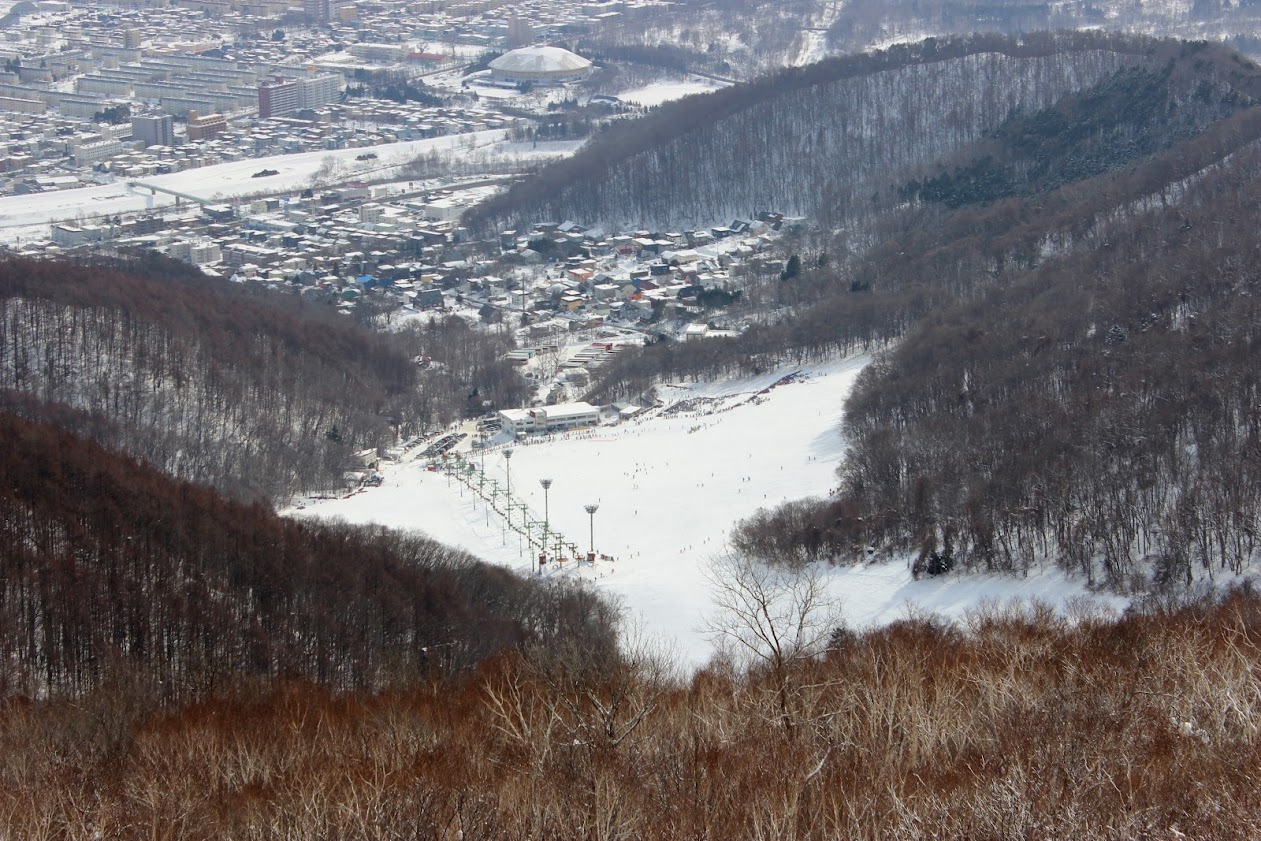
{"x": 154, "y": 188}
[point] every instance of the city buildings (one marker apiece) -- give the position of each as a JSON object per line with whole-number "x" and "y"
{"x": 203, "y": 128}
{"x": 278, "y": 96}
{"x": 154, "y": 131}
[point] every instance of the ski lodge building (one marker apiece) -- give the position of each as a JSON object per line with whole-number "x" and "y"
{"x": 558, "y": 418}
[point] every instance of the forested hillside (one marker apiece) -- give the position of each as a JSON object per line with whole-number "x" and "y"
{"x": 111, "y": 572}
{"x": 1096, "y": 407}
{"x": 745, "y": 39}
{"x": 1059, "y": 280}
{"x": 1099, "y": 408}
{"x": 929, "y": 256}
{"x": 1072, "y": 305}
{"x": 864, "y": 22}
{"x": 244, "y": 389}
{"x": 1130, "y": 115}
{"x": 835, "y": 141}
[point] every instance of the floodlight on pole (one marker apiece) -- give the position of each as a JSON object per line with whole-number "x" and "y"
{"x": 591, "y": 509}
{"x": 547, "y": 485}
{"x": 508, "y": 490}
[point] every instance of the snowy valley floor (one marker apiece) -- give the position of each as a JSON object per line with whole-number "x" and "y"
{"x": 670, "y": 485}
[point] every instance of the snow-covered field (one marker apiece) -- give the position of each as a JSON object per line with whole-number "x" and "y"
{"x": 660, "y": 92}
{"x": 669, "y": 487}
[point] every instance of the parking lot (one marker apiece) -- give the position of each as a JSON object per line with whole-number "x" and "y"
{"x": 443, "y": 444}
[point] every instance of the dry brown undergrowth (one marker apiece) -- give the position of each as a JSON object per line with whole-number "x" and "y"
{"x": 1017, "y": 725}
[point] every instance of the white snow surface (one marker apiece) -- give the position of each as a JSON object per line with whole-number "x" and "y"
{"x": 670, "y": 486}
{"x": 814, "y": 47}
{"x": 656, "y": 94}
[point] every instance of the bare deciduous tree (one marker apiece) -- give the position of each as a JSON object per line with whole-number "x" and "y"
{"x": 774, "y": 618}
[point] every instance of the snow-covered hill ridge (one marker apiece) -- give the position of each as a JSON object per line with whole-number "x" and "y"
{"x": 817, "y": 143}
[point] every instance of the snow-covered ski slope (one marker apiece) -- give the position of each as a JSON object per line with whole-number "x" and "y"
{"x": 669, "y": 487}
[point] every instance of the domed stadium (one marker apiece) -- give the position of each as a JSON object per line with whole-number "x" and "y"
{"x": 539, "y": 66}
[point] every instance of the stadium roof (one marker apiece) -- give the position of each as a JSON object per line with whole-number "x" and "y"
{"x": 540, "y": 60}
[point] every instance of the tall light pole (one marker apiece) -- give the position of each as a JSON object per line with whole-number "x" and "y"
{"x": 524, "y": 531}
{"x": 508, "y": 490}
{"x": 547, "y": 485}
{"x": 482, "y": 436}
{"x": 591, "y": 509}
{"x": 481, "y": 475}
